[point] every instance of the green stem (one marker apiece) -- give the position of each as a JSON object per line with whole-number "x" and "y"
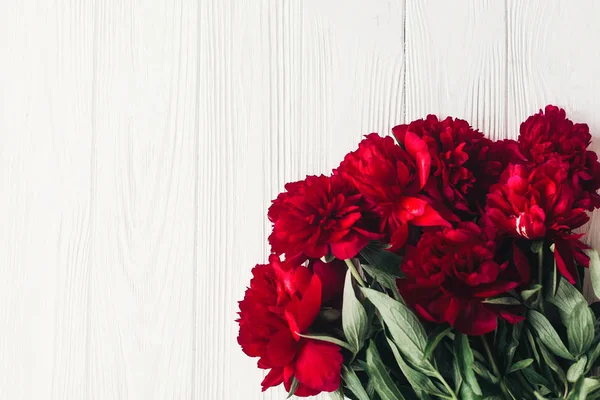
{"x": 490, "y": 357}
{"x": 495, "y": 368}
{"x": 354, "y": 272}
{"x": 448, "y": 388}
{"x": 540, "y": 277}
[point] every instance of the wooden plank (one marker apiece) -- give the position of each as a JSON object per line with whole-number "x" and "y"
{"x": 456, "y": 62}
{"x": 144, "y": 177}
{"x": 45, "y": 180}
{"x": 553, "y": 52}
{"x": 286, "y": 89}
{"x": 44, "y": 208}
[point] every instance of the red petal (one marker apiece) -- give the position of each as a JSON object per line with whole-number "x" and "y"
{"x": 430, "y": 218}
{"x": 511, "y": 318}
{"x": 521, "y": 263}
{"x": 318, "y": 365}
{"x": 399, "y": 237}
{"x": 476, "y": 320}
{"x": 417, "y": 148}
{"x": 495, "y": 289}
{"x": 273, "y": 378}
{"x": 281, "y": 348}
{"x": 332, "y": 278}
{"x": 301, "y": 390}
{"x": 350, "y": 246}
{"x": 564, "y": 261}
{"x": 453, "y": 311}
{"x": 424, "y": 313}
{"x": 309, "y": 306}
{"x": 413, "y": 205}
{"x": 348, "y": 220}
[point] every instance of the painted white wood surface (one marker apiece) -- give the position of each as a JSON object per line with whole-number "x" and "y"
{"x": 142, "y": 142}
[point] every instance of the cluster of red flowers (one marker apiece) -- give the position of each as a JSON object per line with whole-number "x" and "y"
{"x": 446, "y": 199}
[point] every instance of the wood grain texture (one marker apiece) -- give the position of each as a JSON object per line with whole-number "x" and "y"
{"x": 143, "y": 170}
{"x": 142, "y": 143}
{"x": 44, "y": 178}
{"x": 456, "y": 62}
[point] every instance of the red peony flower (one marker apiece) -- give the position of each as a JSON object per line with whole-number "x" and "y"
{"x": 539, "y": 203}
{"x": 454, "y": 149}
{"x": 317, "y": 216}
{"x": 282, "y": 301}
{"x": 551, "y": 135}
{"x": 452, "y": 271}
{"x": 390, "y": 179}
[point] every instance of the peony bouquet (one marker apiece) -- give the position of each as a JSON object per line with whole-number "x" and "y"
{"x": 435, "y": 264}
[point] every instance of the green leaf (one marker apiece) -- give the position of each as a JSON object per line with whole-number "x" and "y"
{"x": 458, "y": 379}
{"x": 519, "y": 365}
{"x": 539, "y": 396}
{"x": 576, "y": 370}
{"x": 466, "y": 393}
{"x": 567, "y": 297}
{"x": 551, "y": 362}
{"x": 580, "y": 329}
{"x": 514, "y": 342}
{"x": 548, "y": 335}
{"x": 386, "y": 280}
{"x": 464, "y": 357}
{"x": 582, "y": 388}
{"x": 353, "y": 383}
{"x": 403, "y": 325}
{"x": 591, "y": 384}
{"x": 527, "y": 294}
{"x": 594, "y": 270}
{"x": 337, "y": 395}
{"x": 377, "y": 256}
{"x": 434, "y": 339}
{"x": 414, "y": 377}
{"x": 371, "y": 389}
{"x": 384, "y": 385}
{"x": 293, "y": 387}
{"x": 535, "y": 378}
{"x": 354, "y": 317}
{"x": 593, "y": 356}
{"x": 325, "y": 338}
{"x": 485, "y": 373}
{"x": 532, "y": 346}
{"x": 509, "y": 301}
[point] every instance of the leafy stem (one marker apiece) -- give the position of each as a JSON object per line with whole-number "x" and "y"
{"x": 354, "y": 272}
{"x": 495, "y": 368}
{"x": 446, "y": 385}
{"x": 540, "y": 277}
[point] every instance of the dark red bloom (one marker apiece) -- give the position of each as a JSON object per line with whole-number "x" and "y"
{"x": 317, "y": 216}
{"x": 332, "y": 276}
{"x": 452, "y": 271}
{"x": 454, "y": 149}
{"x": 539, "y": 203}
{"x": 551, "y": 135}
{"x": 390, "y": 179}
{"x": 282, "y": 301}
{"x": 491, "y": 162}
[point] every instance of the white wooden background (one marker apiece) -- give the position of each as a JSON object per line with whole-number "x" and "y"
{"x": 142, "y": 142}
